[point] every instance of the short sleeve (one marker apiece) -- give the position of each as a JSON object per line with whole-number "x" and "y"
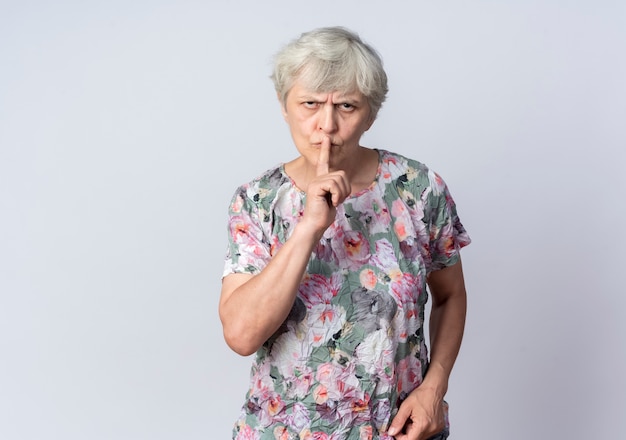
{"x": 447, "y": 234}
{"x": 248, "y": 248}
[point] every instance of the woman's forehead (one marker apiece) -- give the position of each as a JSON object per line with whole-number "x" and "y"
{"x": 301, "y": 90}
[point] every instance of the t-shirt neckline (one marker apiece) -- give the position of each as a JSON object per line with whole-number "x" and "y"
{"x": 371, "y": 186}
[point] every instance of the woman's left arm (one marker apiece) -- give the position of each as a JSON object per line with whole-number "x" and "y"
{"x": 421, "y": 415}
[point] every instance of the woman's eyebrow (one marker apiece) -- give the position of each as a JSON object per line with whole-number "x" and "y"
{"x": 348, "y": 99}
{"x": 343, "y": 99}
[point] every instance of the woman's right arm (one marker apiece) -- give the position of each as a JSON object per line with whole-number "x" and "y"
{"x": 253, "y": 307}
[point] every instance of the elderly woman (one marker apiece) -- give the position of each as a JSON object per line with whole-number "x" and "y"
{"x": 328, "y": 262}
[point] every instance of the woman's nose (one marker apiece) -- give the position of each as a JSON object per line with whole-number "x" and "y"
{"x": 327, "y": 120}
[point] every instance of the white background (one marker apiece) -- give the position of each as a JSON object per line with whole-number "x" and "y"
{"x": 125, "y": 127}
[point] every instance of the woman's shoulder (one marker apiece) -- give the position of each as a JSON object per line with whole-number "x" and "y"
{"x": 408, "y": 172}
{"x": 268, "y": 180}
{"x": 263, "y": 190}
{"x": 398, "y": 166}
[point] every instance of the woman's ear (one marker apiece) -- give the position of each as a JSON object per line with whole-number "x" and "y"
{"x": 370, "y": 121}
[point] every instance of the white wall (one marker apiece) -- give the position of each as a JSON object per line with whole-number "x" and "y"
{"x": 126, "y": 125}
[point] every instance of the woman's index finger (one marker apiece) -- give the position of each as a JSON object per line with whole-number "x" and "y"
{"x": 323, "y": 159}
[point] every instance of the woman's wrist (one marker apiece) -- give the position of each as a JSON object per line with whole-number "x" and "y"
{"x": 309, "y": 233}
{"x": 436, "y": 379}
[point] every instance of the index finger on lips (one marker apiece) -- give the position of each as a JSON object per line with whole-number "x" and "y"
{"x": 323, "y": 159}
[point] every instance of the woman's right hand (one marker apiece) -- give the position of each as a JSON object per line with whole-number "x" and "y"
{"x": 324, "y": 193}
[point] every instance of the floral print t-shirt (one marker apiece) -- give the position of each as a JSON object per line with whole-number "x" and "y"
{"x": 353, "y": 345}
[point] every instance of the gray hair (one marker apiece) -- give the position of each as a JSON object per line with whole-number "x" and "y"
{"x": 330, "y": 59}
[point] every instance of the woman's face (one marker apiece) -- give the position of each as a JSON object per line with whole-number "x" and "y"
{"x": 312, "y": 116}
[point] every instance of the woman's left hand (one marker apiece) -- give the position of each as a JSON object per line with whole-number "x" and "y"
{"x": 419, "y": 417}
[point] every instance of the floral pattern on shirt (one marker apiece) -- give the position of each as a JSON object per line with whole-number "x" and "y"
{"x": 353, "y": 345}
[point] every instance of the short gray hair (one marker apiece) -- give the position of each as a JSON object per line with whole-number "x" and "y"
{"x": 330, "y": 59}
